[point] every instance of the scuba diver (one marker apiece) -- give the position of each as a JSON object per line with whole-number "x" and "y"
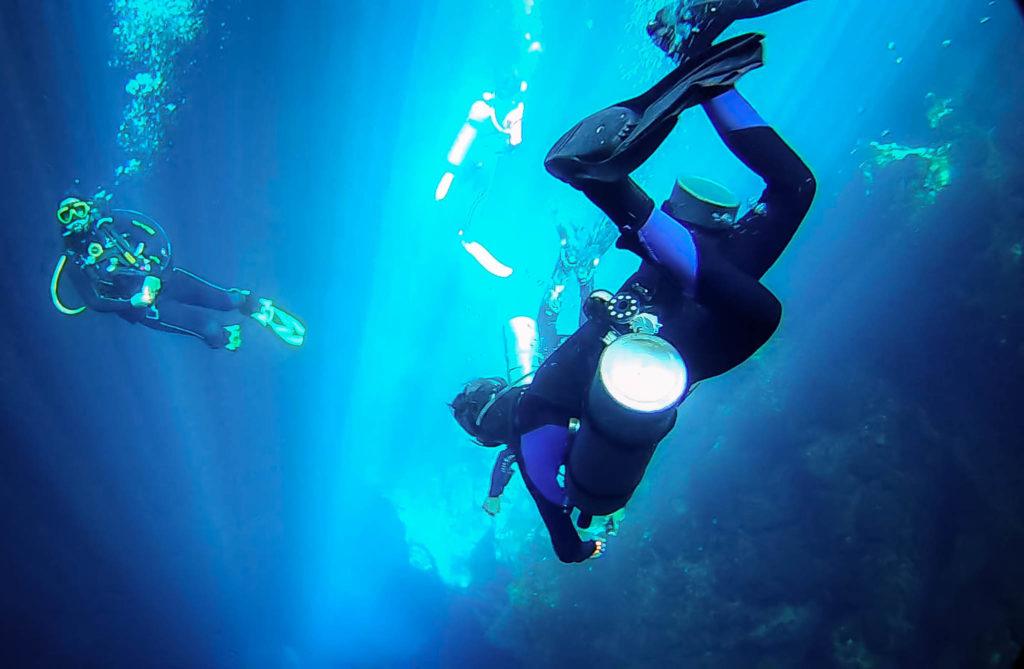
{"x": 584, "y": 427}
{"x": 493, "y": 128}
{"x": 482, "y": 127}
{"x": 474, "y": 155}
{"x": 529, "y": 342}
{"x": 120, "y": 261}
{"x": 579, "y": 253}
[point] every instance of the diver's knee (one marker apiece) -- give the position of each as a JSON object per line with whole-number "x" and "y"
{"x": 807, "y": 188}
{"x": 792, "y": 184}
{"x": 769, "y": 319}
{"x": 799, "y": 186}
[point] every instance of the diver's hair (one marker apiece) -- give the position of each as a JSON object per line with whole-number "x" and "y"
{"x": 467, "y": 405}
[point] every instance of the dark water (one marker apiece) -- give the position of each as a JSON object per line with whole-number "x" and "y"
{"x": 851, "y": 497}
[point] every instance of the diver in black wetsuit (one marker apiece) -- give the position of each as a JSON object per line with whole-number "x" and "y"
{"x": 697, "y": 296}
{"x": 120, "y": 261}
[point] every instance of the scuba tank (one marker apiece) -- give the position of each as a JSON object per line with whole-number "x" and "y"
{"x": 521, "y": 349}
{"x": 630, "y": 405}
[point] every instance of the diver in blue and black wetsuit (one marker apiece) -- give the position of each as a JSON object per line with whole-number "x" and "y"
{"x": 586, "y": 427}
{"x": 120, "y": 262}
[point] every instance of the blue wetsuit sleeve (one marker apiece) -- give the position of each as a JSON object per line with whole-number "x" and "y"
{"x": 502, "y": 472}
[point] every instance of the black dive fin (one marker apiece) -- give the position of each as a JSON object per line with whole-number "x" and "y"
{"x": 609, "y": 145}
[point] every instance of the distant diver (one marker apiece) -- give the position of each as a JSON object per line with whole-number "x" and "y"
{"x": 579, "y": 253}
{"x": 584, "y": 427}
{"x": 507, "y": 100}
{"x": 529, "y": 342}
{"x": 474, "y": 155}
{"x": 120, "y": 261}
{"x": 482, "y": 141}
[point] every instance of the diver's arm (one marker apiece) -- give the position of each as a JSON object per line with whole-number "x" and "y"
{"x": 551, "y": 304}
{"x": 493, "y": 117}
{"x": 92, "y": 299}
{"x": 543, "y": 449}
{"x": 564, "y": 538}
{"x": 502, "y": 472}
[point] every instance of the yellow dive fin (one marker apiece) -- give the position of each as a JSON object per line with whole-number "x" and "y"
{"x": 487, "y": 259}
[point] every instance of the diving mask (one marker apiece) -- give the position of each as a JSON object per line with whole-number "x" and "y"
{"x": 74, "y": 214}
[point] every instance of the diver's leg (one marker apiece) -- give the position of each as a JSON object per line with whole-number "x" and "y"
{"x": 700, "y": 270}
{"x": 551, "y": 305}
{"x": 658, "y": 238}
{"x": 178, "y": 318}
{"x": 547, "y": 324}
{"x": 745, "y": 312}
{"x": 188, "y": 288}
{"x": 626, "y": 204}
{"x": 760, "y": 236}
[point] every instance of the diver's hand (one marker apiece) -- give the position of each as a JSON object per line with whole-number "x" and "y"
{"x": 599, "y": 548}
{"x": 492, "y": 506}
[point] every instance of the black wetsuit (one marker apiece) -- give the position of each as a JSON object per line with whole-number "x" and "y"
{"x": 502, "y": 472}
{"x": 732, "y": 314}
{"x": 107, "y": 281}
{"x": 715, "y": 325}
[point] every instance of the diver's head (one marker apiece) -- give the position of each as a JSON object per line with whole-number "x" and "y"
{"x": 74, "y": 214}
{"x": 471, "y": 405}
{"x": 703, "y": 203}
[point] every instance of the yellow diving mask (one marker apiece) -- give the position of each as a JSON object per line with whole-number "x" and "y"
{"x": 74, "y": 213}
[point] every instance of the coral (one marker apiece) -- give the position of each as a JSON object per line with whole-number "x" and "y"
{"x": 935, "y": 177}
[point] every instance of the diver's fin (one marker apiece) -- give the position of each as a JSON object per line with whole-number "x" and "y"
{"x": 234, "y": 335}
{"x": 610, "y": 144}
{"x": 283, "y": 324}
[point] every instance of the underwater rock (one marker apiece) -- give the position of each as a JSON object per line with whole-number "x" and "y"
{"x": 935, "y": 172}
{"x": 939, "y": 108}
{"x": 785, "y": 624}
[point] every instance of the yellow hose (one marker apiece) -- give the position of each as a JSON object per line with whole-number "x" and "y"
{"x": 55, "y": 289}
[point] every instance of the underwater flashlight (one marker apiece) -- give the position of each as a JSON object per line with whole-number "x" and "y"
{"x": 643, "y": 372}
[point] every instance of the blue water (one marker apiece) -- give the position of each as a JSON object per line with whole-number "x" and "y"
{"x": 850, "y": 497}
